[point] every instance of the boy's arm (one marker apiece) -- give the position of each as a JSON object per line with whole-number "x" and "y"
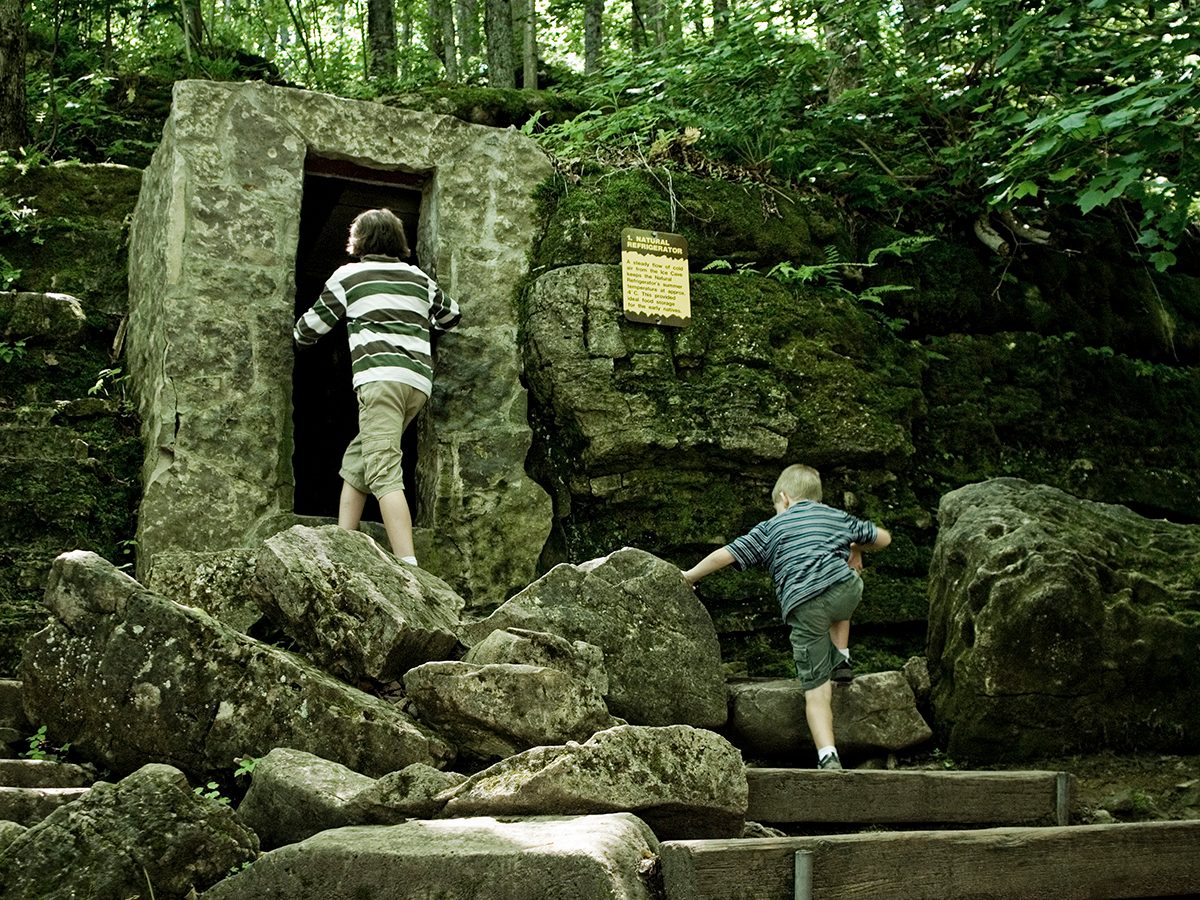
{"x": 882, "y": 539}
{"x": 715, "y": 561}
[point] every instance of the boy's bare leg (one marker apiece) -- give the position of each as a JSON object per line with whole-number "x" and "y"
{"x": 350, "y": 507}
{"x": 818, "y": 710}
{"x": 398, "y": 521}
{"x": 839, "y": 633}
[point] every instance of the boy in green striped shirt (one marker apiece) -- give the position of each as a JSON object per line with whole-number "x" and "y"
{"x": 814, "y": 554}
{"x": 391, "y": 308}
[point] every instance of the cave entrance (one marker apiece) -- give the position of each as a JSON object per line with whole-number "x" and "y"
{"x": 324, "y": 409}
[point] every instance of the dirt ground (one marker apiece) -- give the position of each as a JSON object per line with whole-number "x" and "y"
{"x": 1118, "y": 787}
{"x": 1113, "y": 787}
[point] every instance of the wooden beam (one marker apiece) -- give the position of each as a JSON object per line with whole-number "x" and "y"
{"x": 865, "y": 797}
{"x": 1080, "y": 862}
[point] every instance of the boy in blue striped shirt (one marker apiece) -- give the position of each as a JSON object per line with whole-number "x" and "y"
{"x": 813, "y": 553}
{"x": 390, "y": 309}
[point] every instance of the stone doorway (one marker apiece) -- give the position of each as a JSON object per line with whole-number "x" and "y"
{"x": 324, "y": 410}
{"x": 216, "y": 257}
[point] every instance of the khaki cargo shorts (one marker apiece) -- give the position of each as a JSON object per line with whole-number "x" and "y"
{"x": 371, "y": 464}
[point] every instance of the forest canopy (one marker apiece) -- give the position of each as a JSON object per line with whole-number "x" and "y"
{"x": 993, "y": 113}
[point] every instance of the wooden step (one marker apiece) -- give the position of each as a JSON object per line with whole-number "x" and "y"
{"x": 1076, "y": 862}
{"x": 28, "y": 806}
{"x": 915, "y": 796}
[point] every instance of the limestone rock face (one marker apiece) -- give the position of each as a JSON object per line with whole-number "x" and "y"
{"x": 294, "y": 795}
{"x": 875, "y": 714}
{"x": 660, "y": 647}
{"x": 585, "y": 858}
{"x": 540, "y": 648}
{"x": 667, "y": 437}
{"x": 684, "y": 782}
{"x": 351, "y": 606}
{"x": 149, "y": 828}
{"x": 1058, "y": 625}
{"x": 212, "y": 293}
{"x": 132, "y": 677}
{"x": 219, "y": 582}
{"x": 500, "y": 709}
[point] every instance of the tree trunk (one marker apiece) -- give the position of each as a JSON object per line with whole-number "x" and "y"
{"x": 192, "y": 17}
{"x": 442, "y": 13}
{"x": 841, "y": 43}
{"x": 381, "y": 40}
{"x": 13, "y": 129}
{"x": 406, "y": 39}
{"x": 466, "y": 14}
{"x": 498, "y": 28}
{"x": 593, "y": 36}
{"x": 637, "y": 26}
{"x": 526, "y": 26}
{"x": 720, "y": 17}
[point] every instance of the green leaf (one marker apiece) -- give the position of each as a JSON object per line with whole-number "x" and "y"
{"x": 1073, "y": 122}
{"x": 1064, "y": 174}
{"x": 1090, "y": 199}
{"x": 1162, "y": 260}
{"x": 1025, "y": 189}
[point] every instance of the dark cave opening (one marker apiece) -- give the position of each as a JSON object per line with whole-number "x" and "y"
{"x": 324, "y": 408}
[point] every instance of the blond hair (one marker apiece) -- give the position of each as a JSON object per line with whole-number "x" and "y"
{"x": 377, "y": 232}
{"x": 799, "y": 483}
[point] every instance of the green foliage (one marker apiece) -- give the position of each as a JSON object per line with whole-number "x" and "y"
{"x": 41, "y": 748}
{"x": 13, "y": 350}
{"x": 982, "y": 105}
{"x": 211, "y": 791}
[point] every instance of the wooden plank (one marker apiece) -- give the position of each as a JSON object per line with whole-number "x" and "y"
{"x": 859, "y": 796}
{"x": 1081, "y": 862}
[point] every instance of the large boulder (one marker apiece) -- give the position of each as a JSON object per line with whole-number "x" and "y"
{"x": 586, "y": 858}
{"x": 351, "y": 606}
{"x": 294, "y": 795}
{"x": 149, "y": 831}
{"x": 540, "y": 648}
{"x": 660, "y": 647}
{"x": 684, "y": 782}
{"x": 875, "y": 714}
{"x": 131, "y": 677}
{"x": 497, "y": 710}
{"x": 218, "y": 582}
{"x": 1057, "y": 625}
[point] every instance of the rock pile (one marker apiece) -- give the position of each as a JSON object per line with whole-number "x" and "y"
{"x": 581, "y": 716}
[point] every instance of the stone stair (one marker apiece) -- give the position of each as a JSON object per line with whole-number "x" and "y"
{"x": 31, "y": 789}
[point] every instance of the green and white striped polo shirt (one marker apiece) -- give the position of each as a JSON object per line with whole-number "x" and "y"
{"x": 390, "y": 308}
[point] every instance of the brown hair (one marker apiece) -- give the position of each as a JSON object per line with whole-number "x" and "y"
{"x": 799, "y": 483}
{"x": 377, "y": 232}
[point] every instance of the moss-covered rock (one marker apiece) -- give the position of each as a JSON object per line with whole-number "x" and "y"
{"x": 1057, "y": 625}
{"x": 739, "y": 223}
{"x": 73, "y": 238}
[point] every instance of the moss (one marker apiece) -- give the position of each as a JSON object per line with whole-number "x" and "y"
{"x": 496, "y": 107}
{"x": 721, "y": 220}
{"x": 75, "y": 241}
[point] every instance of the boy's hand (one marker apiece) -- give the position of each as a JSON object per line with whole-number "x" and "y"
{"x": 856, "y": 558}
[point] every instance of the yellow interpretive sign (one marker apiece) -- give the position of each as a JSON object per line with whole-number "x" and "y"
{"x": 654, "y": 277}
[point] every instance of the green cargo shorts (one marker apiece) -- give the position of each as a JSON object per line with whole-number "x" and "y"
{"x": 812, "y": 649}
{"x": 371, "y": 464}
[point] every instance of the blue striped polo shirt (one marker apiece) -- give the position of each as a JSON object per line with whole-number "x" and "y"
{"x": 806, "y": 548}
